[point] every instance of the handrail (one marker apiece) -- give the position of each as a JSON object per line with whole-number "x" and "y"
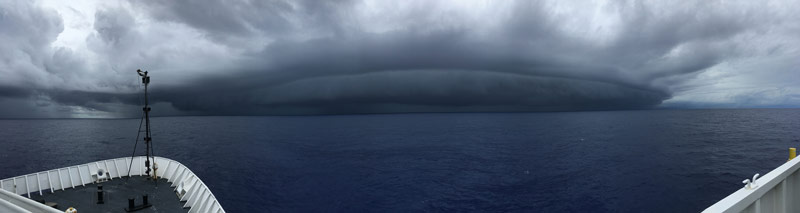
{"x": 17, "y": 203}
{"x": 45, "y": 180}
{"x": 772, "y": 193}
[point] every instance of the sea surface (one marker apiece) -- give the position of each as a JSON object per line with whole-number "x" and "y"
{"x": 608, "y": 161}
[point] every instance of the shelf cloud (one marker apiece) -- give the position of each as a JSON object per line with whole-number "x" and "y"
{"x": 312, "y": 57}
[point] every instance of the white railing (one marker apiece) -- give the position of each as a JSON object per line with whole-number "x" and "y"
{"x": 774, "y": 192}
{"x": 10, "y": 202}
{"x": 187, "y": 185}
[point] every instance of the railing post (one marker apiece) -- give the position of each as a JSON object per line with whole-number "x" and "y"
{"x": 80, "y": 176}
{"x": 27, "y": 186}
{"x": 119, "y": 174}
{"x": 105, "y": 162}
{"x": 69, "y": 174}
{"x": 60, "y": 179}
{"x": 758, "y": 206}
{"x": 39, "y": 184}
{"x": 784, "y": 194}
{"x": 50, "y": 181}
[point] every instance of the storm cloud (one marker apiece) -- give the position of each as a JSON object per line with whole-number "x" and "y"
{"x": 311, "y": 57}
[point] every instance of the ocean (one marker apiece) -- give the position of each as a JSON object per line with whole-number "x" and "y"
{"x": 604, "y": 161}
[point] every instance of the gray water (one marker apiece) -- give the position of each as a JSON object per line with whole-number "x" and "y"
{"x": 614, "y": 161}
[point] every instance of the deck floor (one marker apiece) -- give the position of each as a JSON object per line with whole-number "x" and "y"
{"x": 117, "y": 192}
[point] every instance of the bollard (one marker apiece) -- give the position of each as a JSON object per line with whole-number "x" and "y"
{"x": 100, "y": 194}
{"x": 131, "y": 204}
{"x": 100, "y": 197}
{"x": 792, "y": 153}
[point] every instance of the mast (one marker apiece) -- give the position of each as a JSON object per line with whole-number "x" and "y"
{"x": 147, "y": 137}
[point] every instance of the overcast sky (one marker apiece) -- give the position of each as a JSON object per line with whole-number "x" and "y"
{"x": 78, "y": 58}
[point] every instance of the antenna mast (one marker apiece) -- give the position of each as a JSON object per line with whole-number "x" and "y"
{"x": 147, "y": 137}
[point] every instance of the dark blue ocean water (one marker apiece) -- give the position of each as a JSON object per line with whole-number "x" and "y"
{"x": 617, "y": 161}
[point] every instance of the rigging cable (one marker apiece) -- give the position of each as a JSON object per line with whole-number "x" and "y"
{"x": 135, "y": 144}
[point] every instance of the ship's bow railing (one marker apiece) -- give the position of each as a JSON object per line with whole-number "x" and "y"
{"x": 774, "y": 192}
{"x": 187, "y": 185}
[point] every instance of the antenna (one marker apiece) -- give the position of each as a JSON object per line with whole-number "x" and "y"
{"x": 148, "y": 139}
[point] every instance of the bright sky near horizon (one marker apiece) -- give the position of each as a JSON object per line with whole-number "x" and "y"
{"x": 77, "y": 58}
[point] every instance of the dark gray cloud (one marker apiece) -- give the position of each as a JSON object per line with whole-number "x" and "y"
{"x": 14, "y": 92}
{"x": 416, "y": 90}
{"x": 310, "y": 57}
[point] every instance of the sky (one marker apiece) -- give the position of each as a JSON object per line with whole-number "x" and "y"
{"x": 77, "y": 59}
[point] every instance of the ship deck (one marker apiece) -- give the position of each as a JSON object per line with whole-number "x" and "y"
{"x": 75, "y": 186}
{"x": 116, "y": 194}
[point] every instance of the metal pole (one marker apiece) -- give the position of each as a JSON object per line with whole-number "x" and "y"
{"x": 146, "y": 125}
{"x": 147, "y": 136}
